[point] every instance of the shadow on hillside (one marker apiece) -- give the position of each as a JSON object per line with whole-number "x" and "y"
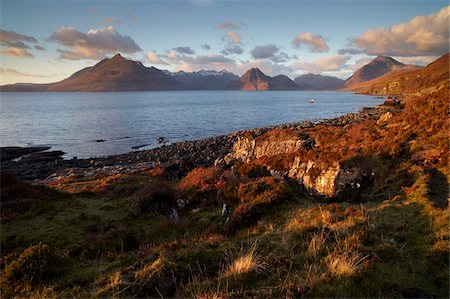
{"x": 438, "y": 188}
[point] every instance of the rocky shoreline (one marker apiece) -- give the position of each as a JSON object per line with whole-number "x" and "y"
{"x": 38, "y": 166}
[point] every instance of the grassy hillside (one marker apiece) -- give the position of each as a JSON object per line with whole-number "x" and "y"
{"x": 237, "y": 231}
{"x": 401, "y": 81}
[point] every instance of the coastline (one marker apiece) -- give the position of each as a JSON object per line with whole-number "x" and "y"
{"x": 181, "y": 157}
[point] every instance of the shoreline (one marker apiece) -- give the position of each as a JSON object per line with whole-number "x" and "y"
{"x": 182, "y": 156}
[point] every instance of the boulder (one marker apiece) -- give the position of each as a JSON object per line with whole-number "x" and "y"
{"x": 384, "y": 119}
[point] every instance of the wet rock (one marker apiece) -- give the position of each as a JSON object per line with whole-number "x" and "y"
{"x": 14, "y": 152}
{"x": 42, "y": 157}
{"x": 160, "y": 139}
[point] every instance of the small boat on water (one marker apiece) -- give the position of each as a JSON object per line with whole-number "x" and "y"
{"x": 311, "y": 101}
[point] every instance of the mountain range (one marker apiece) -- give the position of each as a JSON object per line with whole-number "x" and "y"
{"x": 121, "y": 74}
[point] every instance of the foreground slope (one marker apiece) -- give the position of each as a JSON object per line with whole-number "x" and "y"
{"x": 254, "y": 223}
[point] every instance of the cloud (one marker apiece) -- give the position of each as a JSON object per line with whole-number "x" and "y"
{"x": 16, "y": 44}
{"x": 220, "y": 62}
{"x": 228, "y": 26}
{"x": 206, "y": 47}
{"x": 95, "y": 44}
{"x": 37, "y": 47}
{"x": 360, "y": 63}
{"x": 16, "y": 40}
{"x": 350, "y": 51}
{"x": 261, "y": 52}
{"x": 16, "y": 73}
{"x": 176, "y": 58}
{"x": 422, "y": 35}
{"x": 315, "y": 43}
{"x": 271, "y": 52}
{"x": 233, "y": 41}
{"x": 326, "y": 64}
{"x": 154, "y": 58}
{"x": 207, "y": 59}
{"x": 109, "y": 21}
{"x": 185, "y": 50}
{"x": 17, "y": 52}
{"x": 232, "y": 49}
{"x": 417, "y": 60}
{"x": 232, "y": 37}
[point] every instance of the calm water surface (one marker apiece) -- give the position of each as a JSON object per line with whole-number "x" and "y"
{"x": 73, "y": 122}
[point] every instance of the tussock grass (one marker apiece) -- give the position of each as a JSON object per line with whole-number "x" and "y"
{"x": 345, "y": 263}
{"x": 246, "y": 261}
{"x": 317, "y": 243}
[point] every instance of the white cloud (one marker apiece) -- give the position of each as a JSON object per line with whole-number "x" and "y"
{"x": 95, "y": 44}
{"x": 326, "y": 64}
{"x": 232, "y": 37}
{"x": 422, "y": 35}
{"x": 16, "y": 73}
{"x": 154, "y": 58}
{"x": 417, "y": 60}
{"x": 16, "y": 44}
{"x": 315, "y": 43}
{"x": 233, "y": 41}
{"x": 17, "y": 52}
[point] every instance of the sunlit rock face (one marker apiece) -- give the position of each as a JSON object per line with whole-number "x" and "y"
{"x": 247, "y": 149}
{"x": 319, "y": 178}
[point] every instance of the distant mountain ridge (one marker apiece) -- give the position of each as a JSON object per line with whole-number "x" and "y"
{"x": 376, "y": 68}
{"x": 401, "y": 81}
{"x": 204, "y": 79}
{"x": 318, "y": 82}
{"x": 113, "y": 74}
{"x": 254, "y": 79}
{"x": 121, "y": 74}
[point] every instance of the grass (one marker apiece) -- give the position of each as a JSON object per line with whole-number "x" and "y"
{"x": 273, "y": 240}
{"x": 246, "y": 261}
{"x": 298, "y": 247}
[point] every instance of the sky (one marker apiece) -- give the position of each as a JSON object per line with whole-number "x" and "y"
{"x": 47, "y": 41}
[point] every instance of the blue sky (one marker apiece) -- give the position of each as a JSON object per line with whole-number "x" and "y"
{"x": 45, "y": 41}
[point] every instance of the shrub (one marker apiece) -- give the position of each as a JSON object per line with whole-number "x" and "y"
{"x": 255, "y": 197}
{"x": 199, "y": 178}
{"x": 154, "y": 197}
{"x": 22, "y": 271}
{"x": 253, "y": 170}
{"x": 18, "y": 197}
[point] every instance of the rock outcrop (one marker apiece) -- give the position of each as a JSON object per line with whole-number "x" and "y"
{"x": 248, "y": 149}
{"x": 329, "y": 181}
